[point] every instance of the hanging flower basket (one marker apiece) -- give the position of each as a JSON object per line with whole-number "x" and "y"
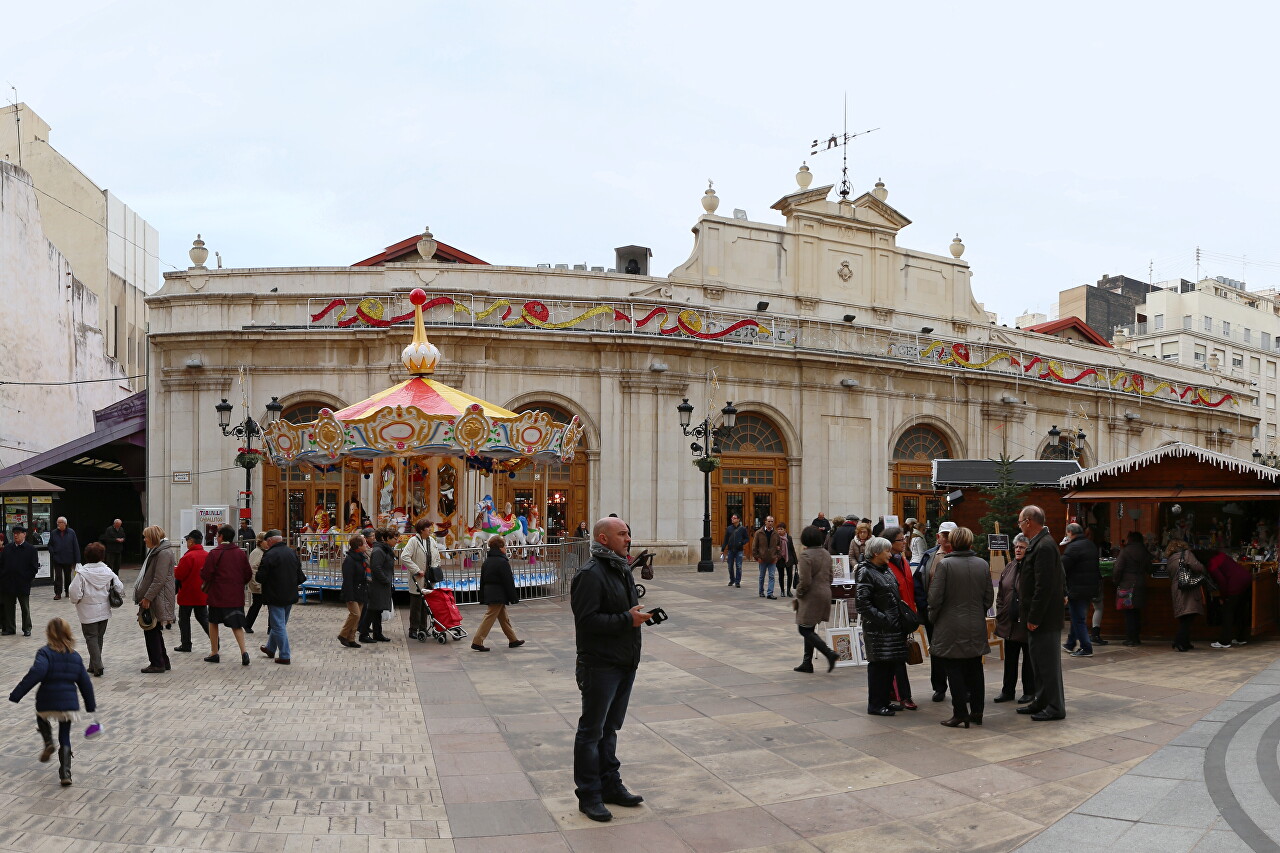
{"x": 248, "y": 458}
{"x": 707, "y": 464}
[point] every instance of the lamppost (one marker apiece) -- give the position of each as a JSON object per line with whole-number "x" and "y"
{"x": 707, "y": 433}
{"x": 1077, "y": 452}
{"x": 247, "y": 429}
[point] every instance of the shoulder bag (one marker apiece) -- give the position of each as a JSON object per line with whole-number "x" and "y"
{"x": 114, "y": 598}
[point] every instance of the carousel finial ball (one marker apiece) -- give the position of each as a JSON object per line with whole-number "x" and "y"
{"x": 418, "y": 297}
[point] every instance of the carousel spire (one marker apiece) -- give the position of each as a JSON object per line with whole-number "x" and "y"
{"x": 420, "y": 357}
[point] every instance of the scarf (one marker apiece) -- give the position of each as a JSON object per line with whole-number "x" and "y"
{"x": 142, "y": 572}
{"x": 608, "y": 557}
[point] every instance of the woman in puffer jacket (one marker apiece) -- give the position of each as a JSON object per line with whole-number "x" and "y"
{"x": 90, "y": 592}
{"x": 882, "y": 629}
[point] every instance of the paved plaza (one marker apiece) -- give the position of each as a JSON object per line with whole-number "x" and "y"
{"x": 405, "y": 746}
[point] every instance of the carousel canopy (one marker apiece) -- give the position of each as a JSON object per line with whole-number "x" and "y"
{"x": 423, "y": 417}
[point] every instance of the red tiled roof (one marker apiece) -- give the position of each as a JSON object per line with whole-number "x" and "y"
{"x": 1054, "y": 326}
{"x": 444, "y": 252}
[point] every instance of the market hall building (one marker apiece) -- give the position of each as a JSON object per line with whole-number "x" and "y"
{"x": 854, "y": 363}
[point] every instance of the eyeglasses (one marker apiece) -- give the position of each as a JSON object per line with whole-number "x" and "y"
{"x": 901, "y": 539}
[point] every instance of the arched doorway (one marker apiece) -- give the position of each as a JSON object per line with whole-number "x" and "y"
{"x": 293, "y": 497}
{"x": 913, "y": 492}
{"x": 561, "y": 488}
{"x": 751, "y": 481}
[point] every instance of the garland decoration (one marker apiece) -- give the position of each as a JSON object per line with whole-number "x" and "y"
{"x": 687, "y": 322}
{"x": 1052, "y": 371}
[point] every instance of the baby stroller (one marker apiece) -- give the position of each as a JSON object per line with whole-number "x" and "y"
{"x": 443, "y": 617}
{"x": 644, "y": 563}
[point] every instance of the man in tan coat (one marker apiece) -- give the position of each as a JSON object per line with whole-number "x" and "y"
{"x": 765, "y": 548}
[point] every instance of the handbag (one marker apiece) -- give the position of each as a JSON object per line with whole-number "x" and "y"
{"x": 908, "y": 621}
{"x": 114, "y": 598}
{"x": 1124, "y": 599}
{"x": 915, "y": 654}
{"x": 1186, "y": 579}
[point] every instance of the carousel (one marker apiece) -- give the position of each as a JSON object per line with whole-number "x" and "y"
{"x": 427, "y": 451}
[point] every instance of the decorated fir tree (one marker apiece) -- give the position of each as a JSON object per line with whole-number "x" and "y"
{"x": 1004, "y": 500}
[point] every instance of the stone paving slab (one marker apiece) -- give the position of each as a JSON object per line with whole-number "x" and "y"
{"x": 405, "y": 746}
{"x": 1211, "y": 787}
{"x": 734, "y": 751}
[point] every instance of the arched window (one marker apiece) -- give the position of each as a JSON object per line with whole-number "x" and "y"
{"x": 559, "y": 487}
{"x": 920, "y": 444}
{"x": 303, "y": 413}
{"x": 753, "y": 434}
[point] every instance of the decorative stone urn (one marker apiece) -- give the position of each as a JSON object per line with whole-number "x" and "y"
{"x": 198, "y": 253}
{"x": 427, "y": 244}
{"x": 710, "y": 201}
{"x": 804, "y": 177}
{"x": 957, "y": 247}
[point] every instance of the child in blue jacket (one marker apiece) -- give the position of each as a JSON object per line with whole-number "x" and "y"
{"x": 58, "y": 670}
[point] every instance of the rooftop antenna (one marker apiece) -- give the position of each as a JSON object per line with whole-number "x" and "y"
{"x": 841, "y": 141}
{"x": 17, "y": 120}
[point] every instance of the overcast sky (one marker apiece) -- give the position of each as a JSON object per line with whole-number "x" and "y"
{"x": 1062, "y": 141}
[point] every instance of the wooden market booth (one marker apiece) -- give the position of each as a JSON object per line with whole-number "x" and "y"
{"x": 1213, "y": 501}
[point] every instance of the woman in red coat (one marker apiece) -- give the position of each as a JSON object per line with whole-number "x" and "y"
{"x": 191, "y": 598}
{"x": 907, "y": 592}
{"x": 1234, "y": 583}
{"x": 225, "y": 574}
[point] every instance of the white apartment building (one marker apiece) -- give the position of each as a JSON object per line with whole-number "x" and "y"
{"x": 1219, "y": 325}
{"x": 111, "y": 249}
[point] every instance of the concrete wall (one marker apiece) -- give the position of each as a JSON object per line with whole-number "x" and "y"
{"x": 49, "y": 332}
{"x": 113, "y": 250}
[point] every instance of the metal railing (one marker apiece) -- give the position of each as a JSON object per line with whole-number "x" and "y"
{"x": 541, "y": 571}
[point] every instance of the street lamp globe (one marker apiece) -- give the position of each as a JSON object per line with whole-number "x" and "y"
{"x": 274, "y": 408}
{"x": 730, "y": 415}
{"x": 224, "y": 413}
{"x": 686, "y": 412}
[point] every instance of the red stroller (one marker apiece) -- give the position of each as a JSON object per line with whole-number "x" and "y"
{"x": 444, "y": 618}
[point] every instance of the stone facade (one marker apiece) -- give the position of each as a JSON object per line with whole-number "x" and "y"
{"x": 845, "y": 348}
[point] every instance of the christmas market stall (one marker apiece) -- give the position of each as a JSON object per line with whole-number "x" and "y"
{"x": 1214, "y": 502}
{"x": 430, "y": 451}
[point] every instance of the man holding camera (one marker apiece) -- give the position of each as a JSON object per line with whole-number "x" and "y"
{"x": 607, "y": 618}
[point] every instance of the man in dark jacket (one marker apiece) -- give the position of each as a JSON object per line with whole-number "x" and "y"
{"x": 113, "y": 539}
{"x": 279, "y": 575}
{"x": 64, "y": 553}
{"x": 735, "y": 539}
{"x": 822, "y": 523}
{"x": 843, "y": 535}
{"x": 1080, "y": 563}
{"x": 1040, "y": 590}
{"x": 19, "y": 562}
{"x": 607, "y": 619}
{"x": 766, "y": 548}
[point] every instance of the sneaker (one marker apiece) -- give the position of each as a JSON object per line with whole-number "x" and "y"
{"x": 1239, "y": 642}
{"x": 1219, "y": 646}
{"x": 772, "y": 597}
{"x": 1082, "y": 653}
{"x": 1068, "y": 649}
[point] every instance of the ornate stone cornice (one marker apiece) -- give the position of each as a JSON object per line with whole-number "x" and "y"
{"x": 651, "y": 383}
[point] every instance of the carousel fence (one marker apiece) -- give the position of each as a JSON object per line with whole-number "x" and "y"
{"x": 541, "y": 571}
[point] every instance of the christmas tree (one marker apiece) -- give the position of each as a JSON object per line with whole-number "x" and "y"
{"x": 1004, "y": 500}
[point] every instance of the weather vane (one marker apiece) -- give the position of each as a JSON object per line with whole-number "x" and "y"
{"x": 841, "y": 141}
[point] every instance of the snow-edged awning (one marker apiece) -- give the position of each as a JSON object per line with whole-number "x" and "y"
{"x": 1177, "y": 450}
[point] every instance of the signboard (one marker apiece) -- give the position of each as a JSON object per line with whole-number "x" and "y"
{"x": 209, "y": 519}
{"x": 181, "y": 476}
{"x": 891, "y": 521}
{"x": 997, "y": 542}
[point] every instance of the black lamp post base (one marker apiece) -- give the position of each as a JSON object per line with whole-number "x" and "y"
{"x": 706, "y": 566}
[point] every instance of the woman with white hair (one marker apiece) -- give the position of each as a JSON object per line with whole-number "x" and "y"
{"x": 884, "y": 627}
{"x": 155, "y": 591}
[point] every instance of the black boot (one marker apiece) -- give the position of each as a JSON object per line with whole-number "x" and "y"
{"x": 805, "y": 666}
{"x": 1096, "y": 636}
{"x": 46, "y": 732}
{"x": 64, "y": 765}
